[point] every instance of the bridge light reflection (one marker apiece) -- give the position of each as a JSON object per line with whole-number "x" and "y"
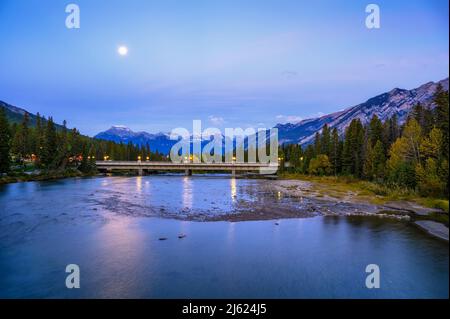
{"x": 139, "y": 184}
{"x": 233, "y": 189}
{"x": 187, "y": 192}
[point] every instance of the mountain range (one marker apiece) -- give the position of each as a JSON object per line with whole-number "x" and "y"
{"x": 15, "y": 114}
{"x": 397, "y": 101}
{"x": 160, "y": 142}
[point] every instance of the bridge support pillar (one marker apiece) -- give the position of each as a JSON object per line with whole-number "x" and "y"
{"x": 233, "y": 172}
{"x": 187, "y": 172}
{"x": 140, "y": 172}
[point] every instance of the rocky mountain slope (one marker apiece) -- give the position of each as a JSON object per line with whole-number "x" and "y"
{"x": 397, "y": 101}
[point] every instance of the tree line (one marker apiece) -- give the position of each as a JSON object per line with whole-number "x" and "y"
{"x": 53, "y": 147}
{"x": 412, "y": 155}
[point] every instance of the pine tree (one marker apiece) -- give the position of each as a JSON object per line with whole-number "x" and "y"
{"x": 21, "y": 145}
{"x": 378, "y": 160}
{"x": 292, "y": 155}
{"x": 5, "y": 143}
{"x": 85, "y": 166}
{"x": 334, "y": 151}
{"x": 39, "y": 136}
{"x": 63, "y": 147}
{"x": 442, "y": 116}
{"x": 394, "y": 129}
{"x": 352, "y": 157}
{"x": 309, "y": 154}
{"x": 50, "y": 143}
{"x": 325, "y": 141}
{"x": 375, "y": 130}
{"x": 417, "y": 113}
{"x": 368, "y": 161}
{"x": 317, "y": 146}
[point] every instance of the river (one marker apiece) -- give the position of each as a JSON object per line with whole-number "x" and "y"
{"x": 123, "y": 233}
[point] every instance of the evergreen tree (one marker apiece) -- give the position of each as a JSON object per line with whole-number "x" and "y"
{"x": 40, "y": 138}
{"x": 325, "y": 141}
{"x": 368, "y": 162}
{"x": 378, "y": 161}
{"x": 417, "y": 113}
{"x": 294, "y": 156}
{"x": 352, "y": 157}
{"x": 5, "y": 140}
{"x": 394, "y": 129}
{"x": 335, "y": 152}
{"x": 63, "y": 151}
{"x": 317, "y": 146}
{"x": 442, "y": 116}
{"x": 50, "y": 143}
{"x": 309, "y": 154}
{"x": 85, "y": 165}
{"x": 375, "y": 130}
{"x": 21, "y": 145}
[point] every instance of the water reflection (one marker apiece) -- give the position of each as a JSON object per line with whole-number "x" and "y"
{"x": 230, "y": 233}
{"x": 45, "y": 226}
{"x": 187, "y": 192}
{"x": 233, "y": 189}
{"x": 120, "y": 247}
{"x": 139, "y": 184}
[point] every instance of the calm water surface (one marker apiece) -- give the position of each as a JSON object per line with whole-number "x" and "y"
{"x": 111, "y": 227}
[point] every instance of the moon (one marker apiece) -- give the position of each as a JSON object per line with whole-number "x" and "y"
{"x": 122, "y": 50}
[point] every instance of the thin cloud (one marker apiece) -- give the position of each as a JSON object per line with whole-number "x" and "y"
{"x": 288, "y": 118}
{"x": 289, "y": 74}
{"x": 216, "y": 120}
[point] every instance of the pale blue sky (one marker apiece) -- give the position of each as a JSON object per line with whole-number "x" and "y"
{"x": 228, "y": 63}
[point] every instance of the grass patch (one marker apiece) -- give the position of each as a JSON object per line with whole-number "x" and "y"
{"x": 375, "y": 193}
{"x": 434, "y": 203}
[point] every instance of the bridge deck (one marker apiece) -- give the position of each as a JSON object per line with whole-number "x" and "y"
{"x": 144, "y": 165}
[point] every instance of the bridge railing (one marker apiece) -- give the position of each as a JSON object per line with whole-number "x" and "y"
{"x": 161, "y": 163}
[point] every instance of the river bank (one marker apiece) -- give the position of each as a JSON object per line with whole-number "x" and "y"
{"x": 44, "y": 175}
{"x": 350, "y": 201}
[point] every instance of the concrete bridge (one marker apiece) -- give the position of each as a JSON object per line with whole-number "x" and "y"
{"x": 145, "y": 166}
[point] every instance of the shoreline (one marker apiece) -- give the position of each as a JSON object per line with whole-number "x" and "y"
{"x": 45, "y": 176}
{"x": 313, "y": 198}
{"x": 418, "y": 215}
